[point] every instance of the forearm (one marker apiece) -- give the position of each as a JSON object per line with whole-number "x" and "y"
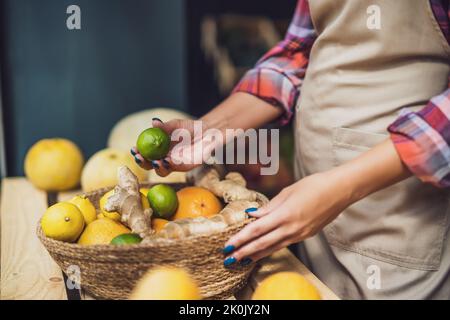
{"x": 373, "y": 170}
{"x": 241, "y": 111}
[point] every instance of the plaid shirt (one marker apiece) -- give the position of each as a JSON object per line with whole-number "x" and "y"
{"x": 421, "y": 138}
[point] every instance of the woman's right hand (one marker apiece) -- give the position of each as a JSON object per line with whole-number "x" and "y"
{"x": 168, "y": 164}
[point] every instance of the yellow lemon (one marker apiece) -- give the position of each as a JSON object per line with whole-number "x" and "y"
{"x": 115, "y": 215}
{"x": 102, "y": 231}
{"x": 166, "y": 283}
{"x": 286, "y": 286}
{"x": 144, "y": 191}
{"x": 158, "y": 224}
{"x": 63, "y": 221}
{"x": 86, "y": 207}
{"x": 54, "y": 164}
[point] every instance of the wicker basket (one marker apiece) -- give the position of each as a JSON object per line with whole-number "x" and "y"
{"x": 110, "y": 272}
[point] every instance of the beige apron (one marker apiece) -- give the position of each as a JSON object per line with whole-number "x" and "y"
{"x": 393, "y": 244}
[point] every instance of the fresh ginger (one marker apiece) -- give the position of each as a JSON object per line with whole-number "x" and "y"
{"x": 232, "y": 188}
{"x": 127, "y": 201}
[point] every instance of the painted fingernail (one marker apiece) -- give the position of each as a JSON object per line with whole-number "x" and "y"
{"x": 245, "y": 262}
{"x": 229, "y": 261}
{"x": 248, "y": 210}
{"x": 138, "y": 161}
{"x": 228, "y": 249}
{"x": 157, "y": 119}
{"x": 132, "y": 152}
{"x": 155, "y": 164}
{"x": 166, "y": 163}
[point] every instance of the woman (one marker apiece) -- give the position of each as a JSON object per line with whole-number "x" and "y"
{"x": 372, "y": 128}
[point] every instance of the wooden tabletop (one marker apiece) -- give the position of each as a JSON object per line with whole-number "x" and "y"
{"x": 28, "y": 271}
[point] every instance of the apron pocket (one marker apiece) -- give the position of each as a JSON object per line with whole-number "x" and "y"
{"x": 404, "y": 224}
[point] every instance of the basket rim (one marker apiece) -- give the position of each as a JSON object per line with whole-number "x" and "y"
{"x": 159, "y": 243}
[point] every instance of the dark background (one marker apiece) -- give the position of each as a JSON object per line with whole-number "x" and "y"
{"x": 129, "y": 55}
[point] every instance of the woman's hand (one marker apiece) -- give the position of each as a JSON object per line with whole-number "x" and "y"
{"x": 296, "y": 213}
{"x": 304, "y": 208}
{"x": 164, "y": 166}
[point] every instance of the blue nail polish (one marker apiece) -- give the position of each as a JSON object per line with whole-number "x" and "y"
{"x": 157, "y": 119}
{"x": 137, "y": 160}
{"x": 248, "y": 210}
{"x": 228, "y": 249}
{"x": 132, "y": 152}
{"x": 155, "y": 164}
{"x": 229, "y": 261}
{"x": 245, "y": 262}
{"x": 166, "y": 163}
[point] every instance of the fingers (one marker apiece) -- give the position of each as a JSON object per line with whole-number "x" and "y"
{"x": 274, "y": 204}
{"x": 162, "y": 167}
{"x": 252, "y": 231}
{"x": 139, "y": 159}
{"x": 168, "y": 126}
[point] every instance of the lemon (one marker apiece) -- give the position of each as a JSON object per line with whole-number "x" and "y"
{"x": 286, "y": 286}
{"x": 86, "y": 207}
{"x": 54, "y": 164}
{"x": 116, "y": 215}
{"x": 166, "y": 283}
{"x": 102, "y": 231}
{"x": 153, "y": 143}
{"x": 63, "y": 221}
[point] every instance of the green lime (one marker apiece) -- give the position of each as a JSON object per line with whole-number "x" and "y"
{"x": 126, "y": 238}
{"x": 153, "y": 143}
{"x": 163, "y": 200}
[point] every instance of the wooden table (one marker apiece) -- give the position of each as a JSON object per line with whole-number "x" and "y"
{"x": 28, "y": 272}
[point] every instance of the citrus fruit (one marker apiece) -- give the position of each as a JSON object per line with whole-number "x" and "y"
{"x": 126, "y": 238}
{"x": 163, "y": 200}
{"x": 196, "y": 202}
{"x": 102, "y": 231}
{"x": 286, "y": 286}
{"x": 158, "y": 224}
{"x": 115, "y": 215}
{"x": 63, "y": 221}
{"x": 86, "y": 207}
{"x": 100, "y": 170}
{"x": 166, "y": 283}
{"x": 54, "y": 164}
{"x": 153, "y": 143}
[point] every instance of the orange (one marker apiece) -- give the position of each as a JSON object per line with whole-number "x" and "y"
{"x": 196, "y": 202}
{"x": 158, "y": 224}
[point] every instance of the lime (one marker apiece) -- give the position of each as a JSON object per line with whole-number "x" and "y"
{"x": 163, "y": 200}
{"x": 153, "y": 143}
{"x": 126, "y": 238}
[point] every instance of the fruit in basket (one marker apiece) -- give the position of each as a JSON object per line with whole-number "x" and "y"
{"x": 286, "y": 286}
{"x": 54, "y": 164}
{"x": 86, "y": 207}
{"x": 158, "y": 224}
{"x": 115, "y": 215}
{"x": 153, "y": 143}
{"x": 196, "y": 202}
{"x": 126, "y": 238}
{"x": 102, "y": 231}
{"x": 63, "y": 221}
{"x": 166, "y": 283}
{"x": 101, "y": 169}
{"x": 163, "y": 200}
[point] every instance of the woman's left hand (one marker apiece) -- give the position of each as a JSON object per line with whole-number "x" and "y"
{"x": 296, "y": 213}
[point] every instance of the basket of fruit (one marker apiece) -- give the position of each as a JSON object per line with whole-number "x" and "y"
{"x": 148, "y": 226}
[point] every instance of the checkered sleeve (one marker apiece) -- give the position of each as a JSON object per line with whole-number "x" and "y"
{"x": 278, "y": 75}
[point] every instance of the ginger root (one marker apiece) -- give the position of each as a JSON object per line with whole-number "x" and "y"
{"x": 127, "y": 201}
{"x": 232, "y": 188}
{"x": 233, "y": 213}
